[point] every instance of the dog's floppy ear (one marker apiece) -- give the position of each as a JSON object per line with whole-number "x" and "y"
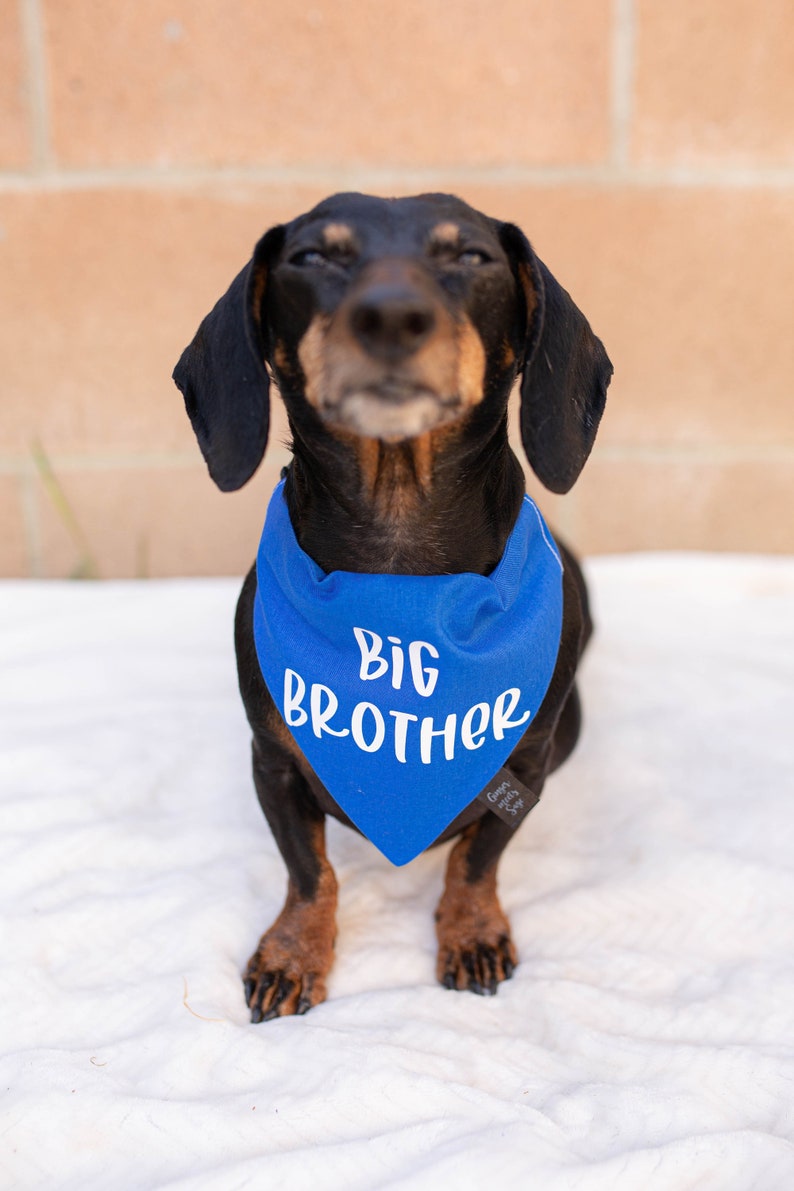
{"x": 566, "y": 372}
{"x": 222, "y": 375}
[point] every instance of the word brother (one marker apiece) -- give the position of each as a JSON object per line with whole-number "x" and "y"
{"x": 369, "y": 726}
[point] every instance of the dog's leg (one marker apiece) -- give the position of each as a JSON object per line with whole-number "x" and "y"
{"x": 286, "y": 974}
{"x": 475, "y": 950}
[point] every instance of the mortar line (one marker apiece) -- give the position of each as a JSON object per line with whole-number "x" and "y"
{"x": 216, "y": 183}
{"x": 623, "y": 76}
{"x": 38, "y": 91}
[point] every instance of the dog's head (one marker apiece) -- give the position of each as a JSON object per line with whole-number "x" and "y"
{"x": 389, "y": 319}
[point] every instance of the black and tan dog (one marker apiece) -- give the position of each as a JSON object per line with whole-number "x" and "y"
{"x": 395, "y": 330}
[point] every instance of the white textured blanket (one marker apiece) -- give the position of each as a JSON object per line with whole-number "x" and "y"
{"x": 645, "y": 1043}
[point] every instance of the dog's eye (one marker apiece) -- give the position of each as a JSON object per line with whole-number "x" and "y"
{"x": 473, "y": 256}
{"x": 308, "y": 258}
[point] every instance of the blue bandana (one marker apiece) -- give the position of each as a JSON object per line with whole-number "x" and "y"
{"x": 406, "y": 693}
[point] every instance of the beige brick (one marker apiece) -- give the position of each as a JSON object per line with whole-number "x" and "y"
{"x": 405, "y": 82}
{"x": 692, "y": 293}
{"x": 100, "y": 292}
{"x": 714, "y": 83}
{"x": 693, "y": 503}
{"x": 14, "y": 555}
{"x": 15, "y": 130}
{"x": 151, "y": 522}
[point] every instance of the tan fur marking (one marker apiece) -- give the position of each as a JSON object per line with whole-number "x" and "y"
{"x": 471, "y": 925}
{"x": 392, "y": 476}
{"x": 312, "y": 357}
{"x": 368, "y": 452}
{"x": 338, "y": 236}
{"x": 528, "y": 286}
{"x": 423, "y": 453}
{"x": 471, "y": 365}
{"x": 403, "y": 479}
{"x": 508, "y": 355}
{"x": 280, "y": 356}
{"x": 445, "y": 235}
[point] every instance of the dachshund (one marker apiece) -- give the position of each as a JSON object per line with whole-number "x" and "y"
{"x": 395, "y": 330}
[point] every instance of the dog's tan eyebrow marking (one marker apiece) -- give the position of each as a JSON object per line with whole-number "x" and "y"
{"x": 339, "y": 237}
{"x": 445, "y": 235}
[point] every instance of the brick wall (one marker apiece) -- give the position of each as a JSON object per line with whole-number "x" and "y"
{"x": 647, "y": 149}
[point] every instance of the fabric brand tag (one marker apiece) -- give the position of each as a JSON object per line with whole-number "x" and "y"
{"x": 508, "y": 798}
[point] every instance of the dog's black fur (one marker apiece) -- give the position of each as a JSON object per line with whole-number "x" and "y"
{"x": 395, "y": 329}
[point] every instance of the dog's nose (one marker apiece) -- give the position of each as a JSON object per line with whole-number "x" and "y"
{"x": 392, "y": 321}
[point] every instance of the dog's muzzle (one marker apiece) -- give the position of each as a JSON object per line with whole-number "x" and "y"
{"x": 393, "y": 357}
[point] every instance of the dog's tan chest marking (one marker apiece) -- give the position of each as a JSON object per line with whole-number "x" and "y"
{"x": 394, "y": 478}
{"x": 395, "y": 483}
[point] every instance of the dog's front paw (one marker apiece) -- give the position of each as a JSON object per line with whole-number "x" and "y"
{"x": 286, "y": 974}
{"x": 475, "y": 950}
{"x": 276, "y": 986}
{"x": 475, "y": 964}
